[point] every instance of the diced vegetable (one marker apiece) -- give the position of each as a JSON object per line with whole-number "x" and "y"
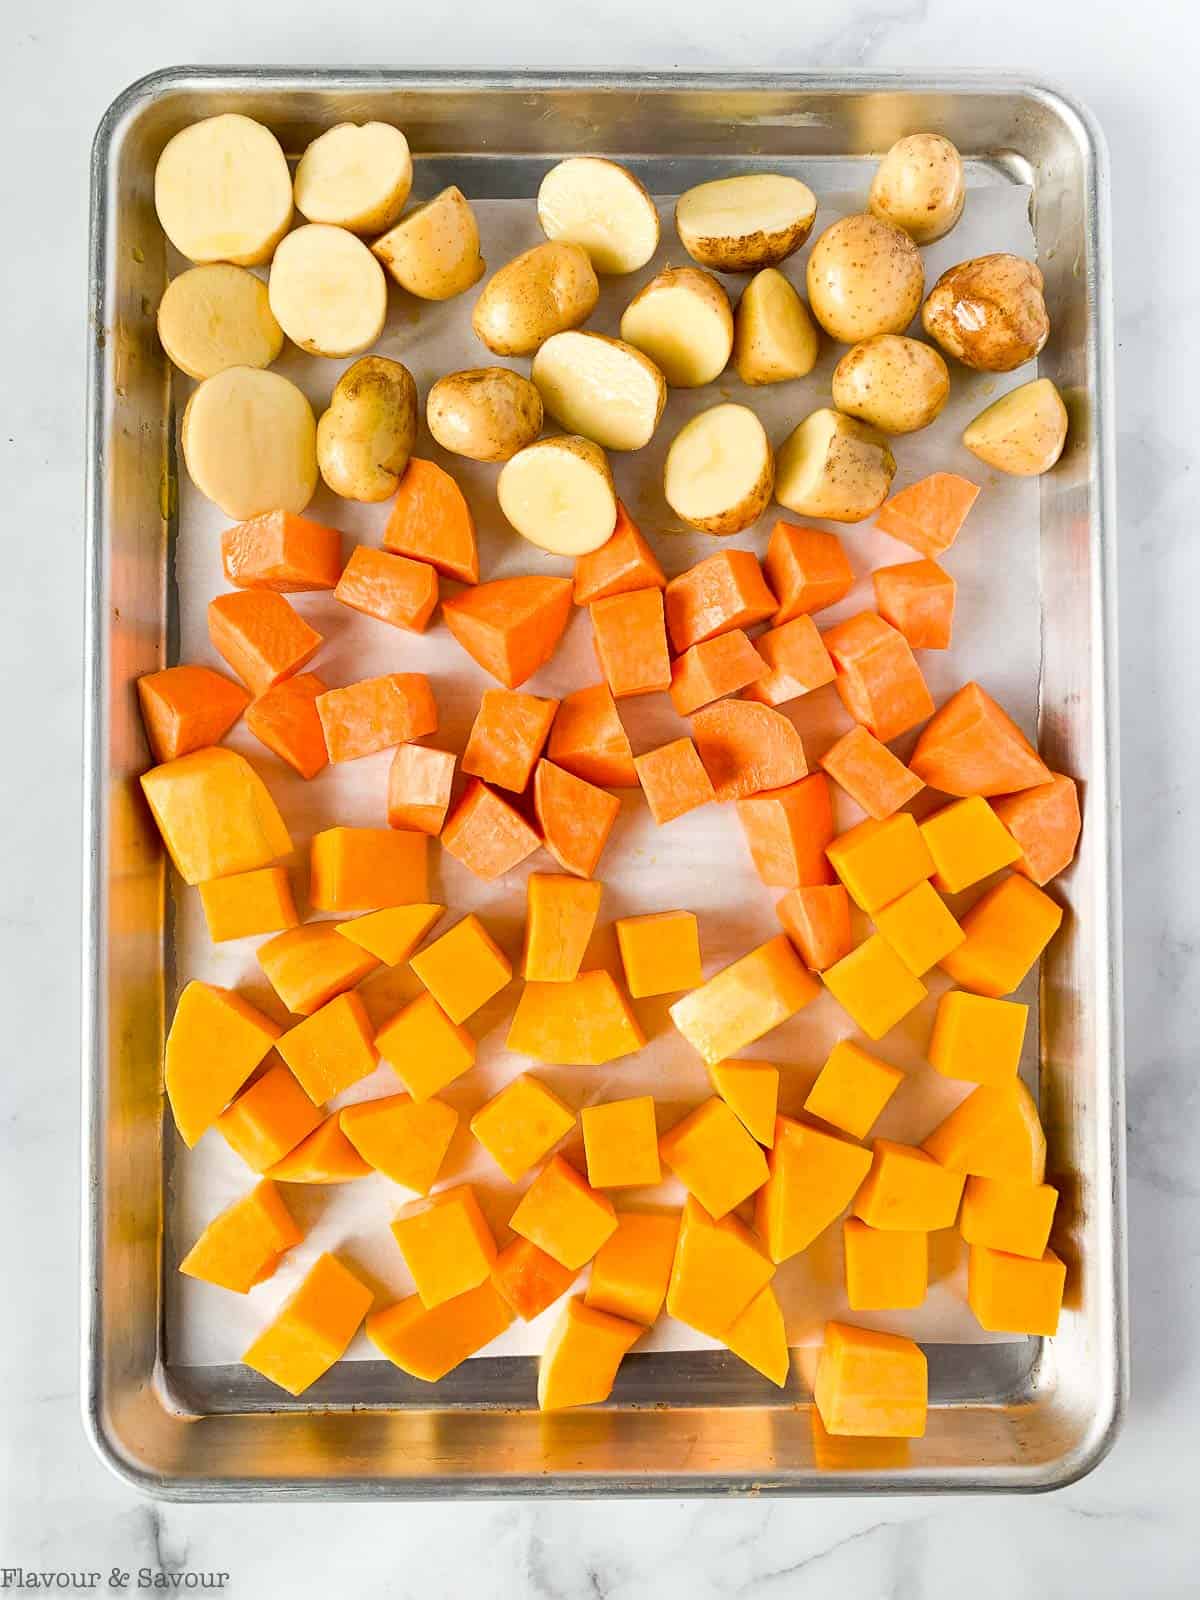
{"x": 286, "y": 720}
{"x": 972, "y": 746}
{"x": 714, "y": 1157}
{"x": 463, "y": 969}
{"x": 404, "y": 1140}
{"x": 507, "y": 737}
{"x": 521, "y": 1125}
{"x": 879, "y": 861}
{"x": 360, "y": 869}
{"x": 187, "y": 708}
{"x": 215, "y": 815}
{"x": 429, "y": 1344}
{"x": 424, "y": 1048}
{"x": 1012, "y": 1294}
{"x": 529, "y": 1280}
{"x": 746, "y": 748}
{"x": 420, "y": 781}
{"x": 878, "y": 678}
{"x": 631, "y": 642}
{"x": 625, "y": 564}
{"x": 268, "y": 1118}
{"x": 797, "y": 662}
{"x": 248, "y": 903}
{"x": 788, "y": 831}
{"x": 1044, "y": 821}
{"x": 244, "y": 1244}
{"x": 715, "y": 668}
{"x": 581, "y": 1356}
{"x": 446, "y": 1244}
{"x": 563, "y": 1215}
{"x": 994, "y": 1133}
{"x": 721, "y": 592}
{"x": 391, "y": 935}
{"x": 215, "y": 1041}
{"x": 279, "y": 551}
{"x": 751, "y": 1091}
{"x": 314, "y": 1329}
{"x": 874, "y": 986}
{"x": 560, "y": 914}
{"x": 431, "y": 521}
{"x": 620, "y": 1142}
{"x": 1006, "y": 930}
{"x": 807, "y": 569}
{"x": 583, "y": 1023}
{"x": 632, "y": 1268}
{"x": 660, "y": 953}
{"x": 260, "y": 636}
{"x": 908, "y": 1189}
{"x": 885, "y": 1271}
{"x": 920, "y": 928}
{"x": 745, "y": 1000}
{"x": 390, "y": 588}
{"x": 813, "y": 1177}
{"x": 852, "y": 1088}
{"x": 718, "y": 1269}
{"x": 376, "y": 713}
{"x": 486, "y": 834}
{"x": 326, "y": 1156}
{"x": 918, "y": 598}
{"x": 673, "y": 780}
{"x": 588, "y": 739}
{"x": 510, "y": 627}
{"x": 871, "y": 1383}
{"x": 331, "y": 1049}
{"x": 575, "y": 817}
{"x": 870, "y": 774}
{"x": 309, "y": 965}
{"x": 816, "y": 918}
{"x": 929, "y": 514}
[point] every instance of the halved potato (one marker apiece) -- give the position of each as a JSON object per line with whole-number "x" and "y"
{"x": 328, "y": 291}
{"x": 249, "y": 441}
{"x": 487, "y": 413}
{"x": 600, "y": 205}
{"x": 215, "y": 317}
{"x": 864, "y": 276}
{"x": 741, "y": 224}
{"x": 1022, "y": 433}
{"x": 774, "y": 338}
{"x": 558, "y": 494}
{"x": 682, "y": 320}
{"x": 990, "y": 312}
{"x": 833, "y": 466}
{"x": 601, "y": 388}
{"x": 355, "y": 177}
{"x": 720, "y": 470}
{"x": 542, "y": 291}
{"x": 896, "y": 384}
{"x": 920, "y": 186}
{"x": 365, "y": 438}
{"x": 433, "y": 252}
{"x": 223, "y": 191}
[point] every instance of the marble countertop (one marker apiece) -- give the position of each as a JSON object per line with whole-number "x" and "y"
{"x": 1130, "y": 1527}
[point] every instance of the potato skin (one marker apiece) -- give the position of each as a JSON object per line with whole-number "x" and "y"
{"x": 485, "y": 413}
{"x": 365, "y": 438}
{"x": 896, "y": 384}
{"x": 1022, "y": 433}
{"x": 854, "y": 468}
{"x": 433, "y": 252}
{"x": 920, "y": 186}
{"x": 989, "y": 312}
{"x": 545, "y": 290}
{"x": 864, "y": 277}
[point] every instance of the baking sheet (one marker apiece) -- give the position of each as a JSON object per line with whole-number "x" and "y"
{"x": 698, "y": 862}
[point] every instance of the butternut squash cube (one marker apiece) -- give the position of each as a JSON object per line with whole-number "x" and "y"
{"x": 880, "y": 861}
{"x": 1013, "y": 1217}
{"x": 1012, "y": 1294}
{"x": 751, "y": 1091}
{"x": 714, "y": 1157}
{"x": 885, "y": 1271}
{"x": 563, "y": 1215}
{"x": 718, "y": 1269}
{"x": 216, "y": 1040}
{"x": 268, "y": 1118}
{"x": 908, "y": 1191}
{"x": 852, "y": 1089}
{"x": 560, "y": 914}
{"x": 359, "y": 869}
{"x": 428, "y": 1344}
{"x": 920, "y": 928}
{"x": 994, "y": 1133}
{"x": 873, "y": 984}
{"x": 660, "y": 953}
{"x": 583, "y": 1023}
{"x": 446, "y": 1244}
{"x": 404, "y": 1139}
{"x": 1006, "y": 931}
{"x": 521, "y": 1124}
{"x": 873, "y": 1384}
{"x": 813, "y": 1178}
{"x": 529, "y": 1279}
{"x": 310, "y": 965}
{"x": 424, "y": 1048}
{"x": 620, "y": 1141}
{"x": 242, "y": 1245}
{"x": 977, "y": 1038}
{"x": 968, "y": 842}
{"x": 391, "y": 935}
{"x": 759, "y": 1338}
{"x": 331, "y": 1049}
{"x": 248, "y": 903}
{"x": 580, "y": 1360}
{"x": 215, "y": 815}
{"x": 745, "y": 1000}
{"x": 632, "y": 1268}
{"x": 314, "y": 1328}
{"x": 326, "y": 1156}
{"x": 463, "y": 969}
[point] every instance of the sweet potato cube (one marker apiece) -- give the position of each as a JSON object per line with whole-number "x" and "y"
{"x": 673, "y": 780}
{"x": 261, "y": 636}
{"x": 486, "y": 834}
{"x": 745, "y": 1000}
{"x": 908, "y": 1190}
{"x": 583, "y": 1023}
{"x": 972, "y": 746}
{"x": 1012, "y": 1294}
{"x": 391, "y": 935}
{"x": 977, "y": 1038}
{"x": 528, "y": 1279}
{"x": 510, "y": 627}
{"x": 268, "y": 1118}
{"x": 331, "y": 1049}
{"x": 507, "y": 737}
{"x": 326, "y": 1156}
{"x": 463, "y": 969}
{"x": 431, "y": 521}
{"x": 248, "y": 903}
{"x": 188, "y": 708}
{"x": 878, "y": 678}
{"x": 751, "y": 1091}
{"x": 968, "y": 842}
{"x": 285, "y": 719}
{"x": 446, "y": 1244}
{"x": 389, "y": 587}
{"x": 808, "y": 570}
{"x": 1006, "y": 931}
{"x": 620, "y": 1141}
{"x": 314, "y": 1328}
{"x": 813, "y": 1176}
{"x": 621, "y": 566}
{"x": 242, "y": 1245}
{"x": 631, "y": 642}
{"x": 405, "y": 1140}
{"x": 376, "y": 713}
{"x": 660, "y": 953}
{"x": 215, "y": 1041}
{"x": 721, "y": 592}
{"x": 880, "y": 861}
{"x": 424, "y": 1048}
{"x": 1014, "y": 1217}
{"x": 1045, "y": 823}
{"x": 852, "y": 1089}
{"x": 994, "y": 1133}
{"x": 215, "y": 815}
{"x": 588, "y": 739}
{"x": 873, "y": 984}
{"x": 817, "y": 920}
{"x": 714, "y": 668}
{"x": 875, "y": 1384}
{"x": 521, "y": 1124}
{"x": 357, "y": 869}
{"x": 718, "y": 1269}
{"x": 929, "y": 514}
{"x": 563, "y": 1215}
{"x": 429, "y": 1344}
{"x": 870, "y": 774}
{"x": 560, "y": 914}
{"x": 575, "y": 817}
{"x": 747, "y": 747}
{"x": 419, "y": 784}
{"x": 309, "y": 965}
{"x": 920, "y": 928}
{"x": 758, "y": 1337}
{"x": 283, "y": 552}
{"x": 632, "y": 1268}
{"x": 917, "y": 597}
{"x": 714, "y": 1157}
{"x": 885, "y": 1271}
{"x": 788, "y": 831}
{"x": 582, "y": 1353}
{"x": 796, "y": 660}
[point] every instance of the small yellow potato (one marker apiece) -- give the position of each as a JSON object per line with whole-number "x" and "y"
{"x": 215, "y": 317}
{"x": 328, "y": 291}
{"x": 920, "y": 186}
{"x": 989, "y": 313}
{"x": 365, "y": 438}
{"x": 223, "y": 191}
{"x": 600, "y": 205}
{"x": 249, "y": 441}
{"x": 742, "y": 224}
{"x": 558, "y": 494}
{"x": 487, "y": 413}
{"x": 864, "y": 276}
{"x": 542, "y": 291}
{"x": 720, "y": 470}
{"x": 355, "y": 177}
{"x": 1022, "y": 433}
{"x": 896, "y": 384}
{"x": 683, "y": 321}
{"x": 833, "y": 466}
{"x": 601, "y": 388}
{"x": 433, "y": 252}
{"x": 774, "y": 338}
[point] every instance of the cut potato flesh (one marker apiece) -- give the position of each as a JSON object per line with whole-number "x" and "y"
{"x": 720, "y": 470}
{"x": 1022, "y": 433}
{"x": 328, "y": 291}
{"x": 774, "y": 338}
{"x": 603, "y": 207}
{"x": 741, "y": 224}
{"x": 434, "y": 251}
{"x": 601, "y": 388}
{"x": 250, "y": 443}
{"x": 682, "y": 320}
{"x": 559, "y": 495}
{"x": 223, "y": 191}
{"x": 215, "y": 317}
{"x": 355, "y": 177}
{"x": 835, "y": 467}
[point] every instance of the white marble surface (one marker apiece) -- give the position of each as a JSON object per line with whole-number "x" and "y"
{"x": 1129, "y": 1528}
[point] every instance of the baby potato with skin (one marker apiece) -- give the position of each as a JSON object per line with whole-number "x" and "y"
{"x": 1022, "y": 433}
{"x": 558, "y": 494}
{"x": 833, "y": 466}
{"x": 356, "y": 177}
{"x": 365, "y": 438}
{"x": 433, "y": 252}
{"x": 486, "y": 413}
{"x": 218, "y": 316}
{"x": 864, "y": 277}
{"x": 223, "y": 191}
{"x": 545, "y": 290}
{"x": 774, "y": 338}
{"x": 720, "y": 470}
{"x": 896, "y": 384}
{"x": 989, "y": 313}
{"x": 249, "y": 442}
{"x": 600, "y": 205}
{"x": 327, "y": 291}
{"x": 745, "y": 223}
{"x": 683, "y": 321}
{"x": 920, "y": 186}
{"x": 601, "y": 388}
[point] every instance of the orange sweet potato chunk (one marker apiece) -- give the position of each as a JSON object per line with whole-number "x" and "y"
{"x": 261, "y": 637}
{"x": 187, "y": 708}
{"x": 285, "y": 719}
{"x": 376, "y": 713}
{"x": 510, "y": 627}
{"x": 808, "y": 570}
{"x": 622, "y": 565}
{"x": 431, "y": 521}
{"x": 918, "y": 598}
{"x": 746, "y": 747}
{"x": 575, "y": 818}
{"x": 787, "y": 831}
{"x": 389, "y": 587}
{"x": 419, "y": 785}
{"x": 878, "y": 678}
{"x": 816, "y": 918}
{"x": 721, "y": 592}
{"x": 589, "y": 739}
{"x": 486, "y": 834}
{"x": 928, "y": 515}
{"x": 870, "y": 774}
{"x": 797, "y": 662}
{"x": 631, "y": 642}
{"x": 279, "y": 551}
{"x": 507, "y": 737}
{"x": 673, "y": 780}
{"x": 215, "y": 814}
{"x": 1045, "y": 823}
{"x": 972, "y": 746}
{"x": 713, "y": 669}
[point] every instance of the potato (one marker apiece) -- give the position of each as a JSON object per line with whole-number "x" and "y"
{"x": 355, "y": 177}
{"x": 223, "y": 192}
{"x": 542, "y": 291}
{"x": 365, "y": 438}
{"x": 328, "y": 291}
{"x": 488, "y": 413}
{"x": 897, "y": 385}
{"x": 601, "y": 388}
{"x": 833, "y": 466}
{"x": 864, "y": 277}
{"x": 558, "y": 494}
{"x": 682, "y": 320}
{"x": 920, "y": 186}
{"x": 215, "y": 317}
{"x": 989, "y": 313}
{"x": 720, "y": 470}
{"x": 774, "y": 338}
{"x": 249, "y": 441}
{"x": 741, "y": 224}
{"x": 434, "y": 251}
{"x": 1023, "y": 432}
{"x": 597, "y": 204}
